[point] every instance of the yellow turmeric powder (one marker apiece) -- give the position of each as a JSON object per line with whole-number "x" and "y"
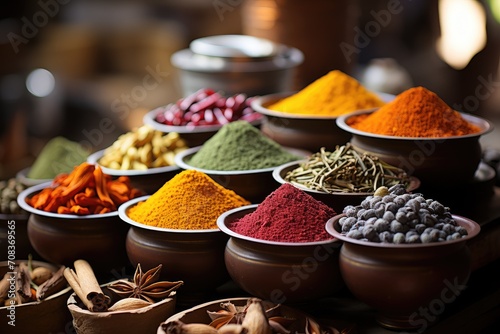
{"x": 334, "y": 94}
{"x": 191, "y": 200}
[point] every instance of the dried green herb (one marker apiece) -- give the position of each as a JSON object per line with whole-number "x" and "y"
{"x": 346, "y": 170}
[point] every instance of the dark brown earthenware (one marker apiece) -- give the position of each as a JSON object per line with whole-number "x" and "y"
{"x": 193, "y": 256}
{"x": 306, "y": 132}
{"x": 149, "y": 180}
{"x": 280, "y": 271}
{"x": 435, "y": 161}
{"x": 400, "y": 280}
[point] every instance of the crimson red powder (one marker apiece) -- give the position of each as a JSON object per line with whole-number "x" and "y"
{"x": 286, "y": 215}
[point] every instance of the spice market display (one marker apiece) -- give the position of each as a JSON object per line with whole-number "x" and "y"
{"x": 189, "y": 203}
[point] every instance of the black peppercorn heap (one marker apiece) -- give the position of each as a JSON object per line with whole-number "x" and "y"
{"x": 395, "y": 216}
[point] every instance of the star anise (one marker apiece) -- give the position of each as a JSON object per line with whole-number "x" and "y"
{"x": 145, "y": 285}
{"x": 232, "y": 314}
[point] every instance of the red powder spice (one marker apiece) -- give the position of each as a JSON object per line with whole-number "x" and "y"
{"x": 287, "y": 215}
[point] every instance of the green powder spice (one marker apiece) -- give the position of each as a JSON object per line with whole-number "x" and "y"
{"x": 59, "y": 155}
{"x": 240, "y": 146}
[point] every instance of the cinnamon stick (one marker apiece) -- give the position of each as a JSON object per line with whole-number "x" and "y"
{"x": 54, "y": 284}
{"x": 72, "y": 280}
{"x": 89, "y": 286}
{"x": 23, "y": 282}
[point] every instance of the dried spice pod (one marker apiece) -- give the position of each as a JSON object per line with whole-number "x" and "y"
{"x": 40, "y": 274}
{"x": 128, "y": 304}
{"x": 255, "y": 319}
{"x": 145, "y": 285}
{"x": 178, "y": 327}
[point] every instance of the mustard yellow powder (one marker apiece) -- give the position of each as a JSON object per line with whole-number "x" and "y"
{"x": 334, "y": 94}
{"x": 191, "y": 200}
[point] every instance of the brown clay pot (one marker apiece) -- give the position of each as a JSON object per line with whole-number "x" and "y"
{"x": 193, "y": 256}
{"x": 300, "y": 131}
{"x": 280, "y": 271}
{"x": 402, "y": 281}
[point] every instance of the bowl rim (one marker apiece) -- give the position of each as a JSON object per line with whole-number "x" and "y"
{"x": 414, "y": 182}
{"x": 149, "y": 119}
{"x": 221, "y": 223}
{"x": 258, "y": 104}
{"x": 122, "y": 213}
{"x": 226, "y": 46}
{"x": 189, "y": 61}
{"x": 179, "y": 161}
{"x": 22, "y": 176}
{"x": 21, "y": 200}
{"x": 471, "y": 226}
{"x": 485, "y": 125}
{"x": 96, "y": 156}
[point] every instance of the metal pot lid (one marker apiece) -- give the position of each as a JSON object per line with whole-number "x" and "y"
{"x": 235, "y": 46}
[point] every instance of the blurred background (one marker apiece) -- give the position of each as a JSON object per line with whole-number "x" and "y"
{"x": 89, "y": 70}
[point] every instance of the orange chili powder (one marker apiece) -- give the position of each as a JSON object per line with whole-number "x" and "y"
{"x": 416, "y": 112}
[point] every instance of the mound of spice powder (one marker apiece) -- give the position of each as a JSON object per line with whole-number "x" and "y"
{"x": 191, "y": 200}
{"x": 286, "y": 215}
{"x": 240, "y": 146}
{"x": 416, "y": 112}
{"x": 334, "y": 94}
{"x": 59, "y": 155}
